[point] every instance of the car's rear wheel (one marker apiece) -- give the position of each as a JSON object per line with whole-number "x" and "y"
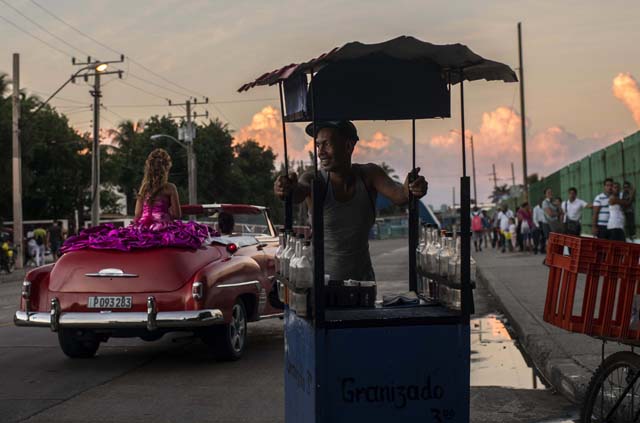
{"x": 78, "y": 343}
{"x": 228, "y": 342}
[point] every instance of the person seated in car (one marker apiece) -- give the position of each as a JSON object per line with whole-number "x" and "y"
{"x": 226, "y": 223}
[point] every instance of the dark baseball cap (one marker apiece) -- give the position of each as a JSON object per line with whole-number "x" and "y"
{"x": 346, "y": 127}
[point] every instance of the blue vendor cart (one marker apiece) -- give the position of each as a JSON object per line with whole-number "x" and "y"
{"x": 379, "y": 364}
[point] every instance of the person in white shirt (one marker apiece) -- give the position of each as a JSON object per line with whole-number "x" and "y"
{"x": 538, "y": 235}
{"x": 503, "y": 219}
{"x": 600, "y": 217}
{"x": 572, "y": 209}
{"x": 615, "y": 225}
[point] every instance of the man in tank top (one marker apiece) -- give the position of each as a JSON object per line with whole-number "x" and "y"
{"x": 349, "y": 198}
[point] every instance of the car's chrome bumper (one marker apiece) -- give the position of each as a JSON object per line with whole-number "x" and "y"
{"x": 150, "y": 320}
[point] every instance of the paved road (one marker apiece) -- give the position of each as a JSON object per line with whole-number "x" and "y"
{"x": 175, "y": 380}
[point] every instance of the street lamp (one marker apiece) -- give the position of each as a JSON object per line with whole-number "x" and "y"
{"x": 191, "y": 163}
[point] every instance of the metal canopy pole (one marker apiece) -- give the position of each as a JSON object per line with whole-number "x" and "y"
{"x": 317, "y": 224}
{"x": 467, "y": 306}
{"x": 288, "y": 202}
{"x": 413, "y": 216}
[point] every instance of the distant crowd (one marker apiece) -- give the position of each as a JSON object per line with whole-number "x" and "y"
{"x": 528, "y": 229}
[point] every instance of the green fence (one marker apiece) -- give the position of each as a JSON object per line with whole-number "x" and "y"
{"x": 620, "y": 161}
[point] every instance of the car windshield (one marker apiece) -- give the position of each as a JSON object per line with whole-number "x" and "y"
{"x": 245, "y": 224}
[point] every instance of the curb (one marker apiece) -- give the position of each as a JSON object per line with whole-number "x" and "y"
{"x": 539, "y": 348}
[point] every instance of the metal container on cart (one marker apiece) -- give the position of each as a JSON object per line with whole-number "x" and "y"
{"x": 378, "y": 364}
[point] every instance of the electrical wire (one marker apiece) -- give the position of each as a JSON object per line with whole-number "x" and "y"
{"x": 132, "y": 60}
{"x": 66, "y": 53}
{"x": 141, "y": 89}
{"x": 62, "y": 40}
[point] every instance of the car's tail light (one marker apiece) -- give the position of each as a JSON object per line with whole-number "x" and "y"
{"x": 197, "y": 291}
{"x": 26, "y": 295}
{"x": 26, "y": 290}
{"x": 232, "y": 248}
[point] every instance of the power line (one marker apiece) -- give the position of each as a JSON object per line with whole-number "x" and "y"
{"x": 132, "y": 60}
{"x": 142, "y": 89}
{"x": 156, "y": 85}
{"x": 35, "y": 37}
{"x": 58, "y": 98}
{"x": 62, "y": 40}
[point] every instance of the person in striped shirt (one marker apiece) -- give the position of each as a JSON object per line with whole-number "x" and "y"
{"x": 601, "y": 211}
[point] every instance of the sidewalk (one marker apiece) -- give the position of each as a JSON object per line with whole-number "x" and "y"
{"x": 519, "y": 282}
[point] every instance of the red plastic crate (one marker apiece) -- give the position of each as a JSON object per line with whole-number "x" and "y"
{"x": 611, "y": 273}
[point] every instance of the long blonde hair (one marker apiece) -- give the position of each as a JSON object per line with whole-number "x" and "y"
{"x": 156, "y": 174}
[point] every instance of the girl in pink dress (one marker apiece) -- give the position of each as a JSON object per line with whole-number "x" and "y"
{"x": 155, "y": 224}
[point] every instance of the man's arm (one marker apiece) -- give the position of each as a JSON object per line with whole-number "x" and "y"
{"x": 299, "y": 189}
{"x": 594, "y": 219}
{"x": 394, "y": 191}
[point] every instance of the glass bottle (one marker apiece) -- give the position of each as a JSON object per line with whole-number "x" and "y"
{"x": 455, "y": 262}
{"x": 444, "y": 256}
{"x": 286, "y": 256}
{"x": 293, "y": 262}
{"x": 420, "y": 248}
{"x": 304, "y": 272}
{"x": 278, "y": 255}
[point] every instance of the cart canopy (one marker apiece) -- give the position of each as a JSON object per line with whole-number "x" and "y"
{"x": 403, "y": 78}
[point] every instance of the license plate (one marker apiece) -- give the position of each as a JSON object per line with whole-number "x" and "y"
{"x": 109, "y": 302}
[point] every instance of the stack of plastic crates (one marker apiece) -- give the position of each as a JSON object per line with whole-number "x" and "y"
{"x": 592, "y": 287}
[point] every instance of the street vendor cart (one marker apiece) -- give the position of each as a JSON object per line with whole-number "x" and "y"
{"x": 350, "y": 363}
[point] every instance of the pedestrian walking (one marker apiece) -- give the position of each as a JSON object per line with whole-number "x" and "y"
{"x": 486, "y": 223}
{"x": 538, "y": 234}
{"x": 552, "y": 222}
{"x": 526, "y": 225}
{"x": 40, "y": 237}
{"x": 512, "y": 236}
{"x": 505, "y": 235}
{"x": 477, "y": 228}
{"x": 572, "y": 209}
{"x": 55, "y": 239}
{"x": 600, "y": 217}
{"x": 629, "y": 195}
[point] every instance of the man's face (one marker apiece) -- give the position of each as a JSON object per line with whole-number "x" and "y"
{"x": 616, "y": 188}
{"x": 608, "y": 187}
{"x": 572, "y": 195}
{"x": 548, "y": 193}
{"x": 334, "y": 150}
{"x": 626, "y": 187}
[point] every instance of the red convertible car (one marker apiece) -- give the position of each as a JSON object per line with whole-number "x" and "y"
{"x": 88, "y": 296}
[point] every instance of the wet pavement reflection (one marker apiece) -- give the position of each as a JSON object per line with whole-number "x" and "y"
{"x": 496, "y": 359}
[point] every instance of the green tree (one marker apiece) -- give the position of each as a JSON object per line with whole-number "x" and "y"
{"x": 55, "y": 166}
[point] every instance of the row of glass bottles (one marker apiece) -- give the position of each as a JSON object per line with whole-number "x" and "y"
{"x": 294, "y": 261}
{"x": 438, "y": 254}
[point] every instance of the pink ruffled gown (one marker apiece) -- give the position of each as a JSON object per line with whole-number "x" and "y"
{"x": 154, "y": 229}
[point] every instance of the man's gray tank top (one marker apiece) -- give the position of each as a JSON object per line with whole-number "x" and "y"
{"x": 346, "y": 232}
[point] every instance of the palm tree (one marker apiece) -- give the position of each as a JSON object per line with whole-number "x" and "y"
{"x": 499, "y": 193}
{"x": 389, "y": 171}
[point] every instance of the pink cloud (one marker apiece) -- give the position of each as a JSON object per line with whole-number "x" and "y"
{"x": 625, "y": 89}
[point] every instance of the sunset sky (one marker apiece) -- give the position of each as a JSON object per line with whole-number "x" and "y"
{"x": 581, "y": 65}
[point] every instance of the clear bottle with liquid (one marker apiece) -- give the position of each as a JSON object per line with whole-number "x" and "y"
{"x": 286, "y": 256}
{"x": 293, "y": 262}
{"x": 420, "y": 248}
{"x": 279, "y": 252}
{"x": 432, "y": 252}
{"x": 455, "y": 262}
{"x": 304, "y": 272}
{"x": 443, "y": 257}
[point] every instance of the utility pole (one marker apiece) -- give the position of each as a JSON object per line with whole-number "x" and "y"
{"x": 523, "y": 117}
{"x": 188, "y": 134}
{"x": 513, "y": 185}
{"x": 16, "y": 164}
{"x": 453, "y": 190}
{"x": 95, "y": 153}
{"x": 473, "y": 167}
{"x": 495, "y": 177}
{"x": 99, "y": 68}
